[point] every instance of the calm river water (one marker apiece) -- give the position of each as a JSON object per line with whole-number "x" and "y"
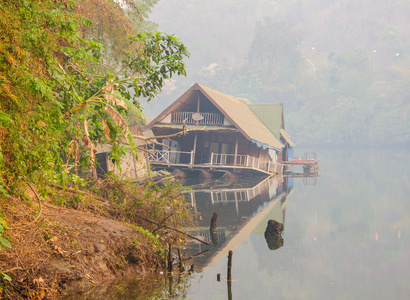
{"x": 346, "y": 234}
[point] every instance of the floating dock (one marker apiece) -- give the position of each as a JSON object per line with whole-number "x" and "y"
{"x": 309, "y": 163}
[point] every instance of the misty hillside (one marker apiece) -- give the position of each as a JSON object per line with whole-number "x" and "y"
{"x": 341, "y": 68}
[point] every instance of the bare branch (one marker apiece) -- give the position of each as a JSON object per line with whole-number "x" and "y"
{"x": 184, "y": 131}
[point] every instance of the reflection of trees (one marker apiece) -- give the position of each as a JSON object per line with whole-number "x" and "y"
{"x": 177, "y": 288}
{"x": 153, "y": 288}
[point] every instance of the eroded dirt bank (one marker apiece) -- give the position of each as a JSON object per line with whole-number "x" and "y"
{"x": 63, "y": 246}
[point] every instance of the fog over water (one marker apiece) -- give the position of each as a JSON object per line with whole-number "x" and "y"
{"x": 341, "y": 68}
{"x": 346, "y": 236}
{"x": 342, "y": 71}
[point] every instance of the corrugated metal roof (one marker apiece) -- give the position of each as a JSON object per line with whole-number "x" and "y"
{"x": 286, "y": 136}
{"x": 270, "y": 115}
{"x": 241, "y": 116}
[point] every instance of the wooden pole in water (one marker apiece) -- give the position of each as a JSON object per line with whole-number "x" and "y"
{"x": 212, "y": 227}
{"x": 230, "y": 265}
{"x": 169, "y": 258}
{"x": 212, "y": 230}
{"x": 229, "y": 281}
{"x": 181, "y": 266}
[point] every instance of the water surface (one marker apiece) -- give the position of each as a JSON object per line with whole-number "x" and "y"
{"x": 346, "y": 233}
{"x": 346, "y": 236}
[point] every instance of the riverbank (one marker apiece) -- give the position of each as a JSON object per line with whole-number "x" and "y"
{"x": 68, "y": 237}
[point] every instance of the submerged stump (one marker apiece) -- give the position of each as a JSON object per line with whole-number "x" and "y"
{"x": 273, "y": 234}
{"x": 212, "y": 229}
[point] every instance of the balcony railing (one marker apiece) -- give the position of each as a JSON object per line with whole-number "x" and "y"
{"x": 197, "y": 118}
{"x": 239, "y": 160}
{"x": 215, "y": 159}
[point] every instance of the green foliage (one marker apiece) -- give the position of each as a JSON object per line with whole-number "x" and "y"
{"x": 58, "y": 98}
{"x": 3, "y": 190}
{"x": 159, "y": 57}
{"x": 132, "y": 203}
{"x": 30, "y": 122}
{"x": 3, "y": 242}
{"x": 154, "y": 240}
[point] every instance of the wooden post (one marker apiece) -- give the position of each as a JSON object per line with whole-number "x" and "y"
{"x": 212, "y": 227}
{"x": 194, "y": 149}
{"x": 197, "y": 110}
{"x": 193, "y": 201}
{"x": 236, "y": 150}
{"x": 230, "y": 265}
{"x": 236, "y": 203}
{"x": 181, "y": 266}
{"x": 229, "y": 281}
{"x": 212, "y": 158}
{"x": 169, "y": 258}
{"x": 170, "y": 284}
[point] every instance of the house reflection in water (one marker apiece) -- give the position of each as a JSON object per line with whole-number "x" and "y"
{"x": 244, "y": 207}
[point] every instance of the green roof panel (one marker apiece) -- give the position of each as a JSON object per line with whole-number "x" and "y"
{"x": 270, "y": 115}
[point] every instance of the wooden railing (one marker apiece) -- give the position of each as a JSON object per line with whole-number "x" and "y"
{"x": 235, "y": 195}
{"x": 216, "y": 159}
{"x": 207, "y": 118}
{"x": 240, "y": 160}
{"x": 172, "y": 157}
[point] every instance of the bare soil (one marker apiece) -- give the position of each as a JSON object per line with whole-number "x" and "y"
{"x": 64, "y": 246}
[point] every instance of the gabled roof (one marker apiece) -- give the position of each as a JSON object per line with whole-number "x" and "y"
{"x": 236, "y": 110}
{"x": 239, "y": 113}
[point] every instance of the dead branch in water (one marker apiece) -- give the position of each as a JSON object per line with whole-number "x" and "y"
{"x": 175, "y": 229}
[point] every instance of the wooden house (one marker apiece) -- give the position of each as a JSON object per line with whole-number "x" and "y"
{"x": 225, "y": 133}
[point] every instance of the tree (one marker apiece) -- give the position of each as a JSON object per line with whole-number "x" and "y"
{"x": 274, "y": 61}
{"x": 58, "y": 95}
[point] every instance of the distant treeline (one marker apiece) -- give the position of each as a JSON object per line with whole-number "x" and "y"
{"x": 341, "y": 68}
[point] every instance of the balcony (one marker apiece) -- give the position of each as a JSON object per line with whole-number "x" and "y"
{"x": 197, "y": 118}
{"x": 214, "y": 161}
